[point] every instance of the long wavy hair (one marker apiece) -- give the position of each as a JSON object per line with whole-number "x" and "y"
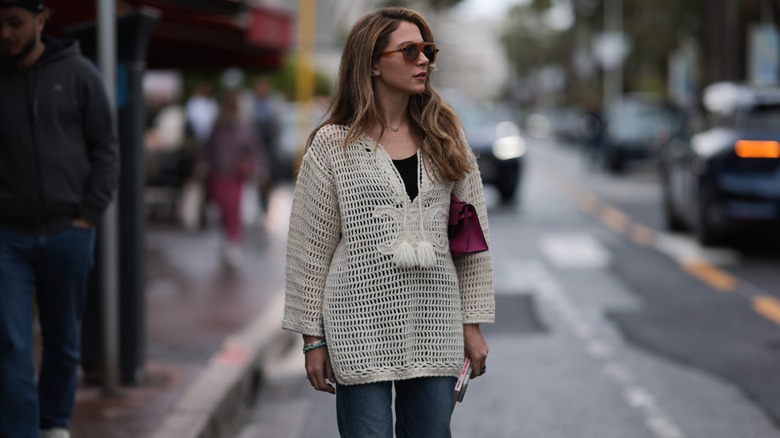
{"x": 432, "y": 122}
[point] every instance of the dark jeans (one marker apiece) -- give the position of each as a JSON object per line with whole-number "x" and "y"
{"x": 423, "y": 408}
{"x": 55, "y": 267}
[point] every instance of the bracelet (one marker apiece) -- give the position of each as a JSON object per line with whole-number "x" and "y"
{"x": 314, "y": 345}
{"x": 315, "y": 342}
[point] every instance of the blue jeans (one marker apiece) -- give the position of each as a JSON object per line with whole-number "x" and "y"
{"x": 423, "y": 408}
{"x": 55, "y": 267}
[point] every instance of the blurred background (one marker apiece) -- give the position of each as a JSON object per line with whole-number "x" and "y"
{"x": 630, "y": 151}
{"x": 617, "y": 78}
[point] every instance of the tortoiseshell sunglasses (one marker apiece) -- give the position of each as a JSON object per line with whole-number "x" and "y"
{"x": 411, "y": 51}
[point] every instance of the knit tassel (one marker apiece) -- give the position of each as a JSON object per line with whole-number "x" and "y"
{"x": 425, "y": 254}
{"x": 404, "y": 256}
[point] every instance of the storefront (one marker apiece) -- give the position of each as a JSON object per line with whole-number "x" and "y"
{"x": 196, "y": 34}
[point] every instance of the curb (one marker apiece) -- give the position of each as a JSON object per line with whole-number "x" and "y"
{"x": 222, "y": 395}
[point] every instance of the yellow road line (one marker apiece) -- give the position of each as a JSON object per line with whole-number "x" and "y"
{"x": 711, "y": 275}
{"x": 589, "y": 203}
{"x": 642, "y": 235}
{"x": 768, "y": 307}
{"x": 615, "y": 219}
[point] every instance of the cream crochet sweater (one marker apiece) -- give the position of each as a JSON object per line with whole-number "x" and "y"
{"x": 371, "y": 270}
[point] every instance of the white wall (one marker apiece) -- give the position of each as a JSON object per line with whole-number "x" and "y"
{"x": 472, "y": 58}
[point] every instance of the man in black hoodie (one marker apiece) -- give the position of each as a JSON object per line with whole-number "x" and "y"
{"x": 58, "y": 172}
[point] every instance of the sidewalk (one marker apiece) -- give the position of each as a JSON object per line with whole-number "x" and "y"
{"x": 207, "y": 329}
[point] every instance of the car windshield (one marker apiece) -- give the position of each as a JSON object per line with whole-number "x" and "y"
{"x": 764, "y": 118}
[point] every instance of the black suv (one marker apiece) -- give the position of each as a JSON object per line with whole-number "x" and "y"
{"x": 721, "y": 176}
{"x": 637, "y": 124}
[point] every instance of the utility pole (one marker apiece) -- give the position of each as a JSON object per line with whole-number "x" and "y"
{"x": 613, "y": 25}
{"x": 108, "y": 251}
{"x": 734, "y": 58}
{"x": 307, "y": 26}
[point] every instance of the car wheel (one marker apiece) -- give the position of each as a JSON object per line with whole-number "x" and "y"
{"x": 709, "y": 228}
{"x": 507, "y": 188}
{"x": 615, "y": 161}
{"x": 508, "y": 196}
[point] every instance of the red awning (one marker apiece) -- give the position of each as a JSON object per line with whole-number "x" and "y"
{"x": 200, "y": 34}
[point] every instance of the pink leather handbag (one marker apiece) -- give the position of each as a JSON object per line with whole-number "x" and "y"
{"x": 464, "y": 230}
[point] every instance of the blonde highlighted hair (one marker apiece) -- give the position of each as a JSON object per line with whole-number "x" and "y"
{"x": 432, "y": 121}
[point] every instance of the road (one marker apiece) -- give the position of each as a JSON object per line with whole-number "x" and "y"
{"x": 607, "y": 326}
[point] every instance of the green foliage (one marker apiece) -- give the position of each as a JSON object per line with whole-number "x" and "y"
{"x": 529, "y": 42}
{"x": 285, "y": 80}
{"x": 653, "y": 29}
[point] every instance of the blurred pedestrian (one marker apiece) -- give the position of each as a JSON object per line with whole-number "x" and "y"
{"x": 232, "y": 156}
{"x": 163, "y": 141}
{"x": 371, "y": 285}
{"x": 593, "y": 129}
{"x": 201, "y": 110}
{"x": 268, "y": 125}
{"x": 58, "y": 172}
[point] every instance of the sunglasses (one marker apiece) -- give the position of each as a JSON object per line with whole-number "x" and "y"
{"x": 411, "y": 51}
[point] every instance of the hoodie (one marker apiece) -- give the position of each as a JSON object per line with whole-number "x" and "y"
{"x": 59, "y": 154}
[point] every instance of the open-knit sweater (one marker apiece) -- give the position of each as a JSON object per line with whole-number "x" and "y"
{"x": 370, "y": 270}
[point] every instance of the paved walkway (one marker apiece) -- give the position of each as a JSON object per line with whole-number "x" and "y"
{"x": 194, "y": 304}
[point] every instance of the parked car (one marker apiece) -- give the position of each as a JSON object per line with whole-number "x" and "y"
{"x": 637, "y": 124}
{"x": 498, "y": 144}
{"x": 566, "y": 124}
{"x": 721, "y": 176}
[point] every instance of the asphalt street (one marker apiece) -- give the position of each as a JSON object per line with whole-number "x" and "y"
{"x": 605, "y": 325}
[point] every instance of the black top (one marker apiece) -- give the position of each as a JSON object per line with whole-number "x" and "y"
{"x": 407, "y": 168}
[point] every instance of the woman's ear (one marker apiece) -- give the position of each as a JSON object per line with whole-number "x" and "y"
{"x": 374, "y": 72}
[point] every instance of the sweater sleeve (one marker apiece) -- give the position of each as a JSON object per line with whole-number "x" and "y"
{"x": 475, "y": 272}
{"x": 313, "y": 236}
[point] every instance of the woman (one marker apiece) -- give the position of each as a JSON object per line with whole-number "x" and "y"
{"x": 371, "y": 284}
{"x": 232, "y": 154}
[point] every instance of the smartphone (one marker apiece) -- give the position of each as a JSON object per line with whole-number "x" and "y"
{"x": 463, "y": 382}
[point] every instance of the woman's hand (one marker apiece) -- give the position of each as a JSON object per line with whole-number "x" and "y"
{"x": 318, "y": 369}
{"x": 476, "y": 348}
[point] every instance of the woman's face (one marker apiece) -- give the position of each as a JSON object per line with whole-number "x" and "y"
{"x": 392, "y": 73}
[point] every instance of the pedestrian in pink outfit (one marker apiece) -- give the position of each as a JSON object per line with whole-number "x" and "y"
{"x": 232, "y": 155}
